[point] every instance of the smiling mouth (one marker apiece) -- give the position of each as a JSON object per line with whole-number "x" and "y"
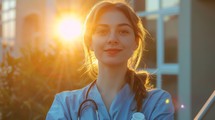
{"x": 112, "y": 51}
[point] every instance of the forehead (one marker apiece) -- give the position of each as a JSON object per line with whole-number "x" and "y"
{"x": 113, "y": 17}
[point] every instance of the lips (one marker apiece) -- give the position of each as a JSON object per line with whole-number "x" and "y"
{"x": 112, "y": 51}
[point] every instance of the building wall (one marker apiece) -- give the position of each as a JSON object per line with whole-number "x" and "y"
{"x": 184, "y": 85}
{"x": 196, "y": 56}
{"x": 203, "y": 53}
{"x": 30, "y": 21}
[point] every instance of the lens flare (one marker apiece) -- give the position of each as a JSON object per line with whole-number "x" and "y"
{"x": 68, "y": 28}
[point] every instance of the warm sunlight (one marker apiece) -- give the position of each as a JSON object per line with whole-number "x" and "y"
{"x": 68, "y": 28}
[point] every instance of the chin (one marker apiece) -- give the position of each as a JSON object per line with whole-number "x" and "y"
{"x": 114, "y": 63}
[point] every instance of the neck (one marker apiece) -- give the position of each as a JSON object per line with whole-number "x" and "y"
{"x": 110, "y": 81}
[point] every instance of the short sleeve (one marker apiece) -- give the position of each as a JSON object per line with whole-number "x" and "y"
{"x": 57, "y": 111}
{"x": 164, "y": 109}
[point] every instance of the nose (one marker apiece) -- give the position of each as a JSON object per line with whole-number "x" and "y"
{"x": 112, "y": 39}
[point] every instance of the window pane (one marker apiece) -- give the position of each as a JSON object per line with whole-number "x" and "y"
{"x": 146, "y": 5}
{"x": 12, "y": 29}
{"x": 149, "y": 56}
{"x": 169, "y": 3}
{"x": 11, "y": 14}
{"x": 169, "y": 83}
{"x": 12, "y": 3}
{"x": 171, "y": 39}
{"x": 5, "y": 16}
{"x": 6, "y": 5}
{"x": 152, "y": 5}
{"x": 6, "y": 29}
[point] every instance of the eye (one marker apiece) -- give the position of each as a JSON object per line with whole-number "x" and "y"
{"x": 101, "y": 32}
{"x": 123, "y": 32}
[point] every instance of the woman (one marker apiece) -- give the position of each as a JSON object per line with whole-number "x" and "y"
{"x": 114, "y": 41}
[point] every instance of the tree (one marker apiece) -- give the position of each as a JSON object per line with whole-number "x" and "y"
{"x": 29, "y": 83}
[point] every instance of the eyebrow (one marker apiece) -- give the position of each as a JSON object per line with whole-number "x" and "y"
{"x": 119, "y": 25}
{"x": 125, "y": 24}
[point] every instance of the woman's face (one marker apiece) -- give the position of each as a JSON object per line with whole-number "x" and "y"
{"x": 113, "y": 40}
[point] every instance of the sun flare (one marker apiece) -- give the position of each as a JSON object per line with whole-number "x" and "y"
{"x": 68, "y": 28}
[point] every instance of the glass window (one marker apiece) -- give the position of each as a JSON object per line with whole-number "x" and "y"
{"x": 169, "y": 3}
{"x": 8, "y": 19}
{"x": 171, "y": 39}
{"x": 8, "y": 15}
{"x": 6, "y": 30}
{"x": 152, "y": 5}
{"x": 12, "y": 30}
{"x": 5, "y": 16}
{"x": 11, "y": 14}
{"x": 5, "y": 5}
{"x": 146, "y": 5}
{"x": 12, "y": 3}
{"x": 8, "y": 4}
{"x": 149, "y": 56}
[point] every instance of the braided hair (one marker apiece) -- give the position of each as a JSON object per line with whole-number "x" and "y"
{"x": 139, "y": 83}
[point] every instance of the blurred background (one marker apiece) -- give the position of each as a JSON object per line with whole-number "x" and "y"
{"x": 41, "y": 52}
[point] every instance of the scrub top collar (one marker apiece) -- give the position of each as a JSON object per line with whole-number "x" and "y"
{"x": 118, "y": 101}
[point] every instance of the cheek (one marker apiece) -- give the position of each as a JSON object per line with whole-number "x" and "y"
{"x": 97, "y": 49}
{"x": 131, "y": 43}
{"x": 96, "y": 45}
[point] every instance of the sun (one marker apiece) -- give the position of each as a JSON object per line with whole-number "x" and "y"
{"x": 68, "y": 28}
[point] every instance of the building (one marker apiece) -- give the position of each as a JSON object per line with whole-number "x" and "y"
{"x": 181, "y": 47}
{"x": 7, "y": 24}
{"x": 183, "y": 56}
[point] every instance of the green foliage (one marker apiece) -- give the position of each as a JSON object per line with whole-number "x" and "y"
{"x": 29, "y": 83}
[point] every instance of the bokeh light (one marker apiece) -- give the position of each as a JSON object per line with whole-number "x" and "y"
{"x": 182, "y": 106}
{"x": 167, "y": 101}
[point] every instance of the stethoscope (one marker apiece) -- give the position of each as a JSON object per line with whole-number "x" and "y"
{"x": 89, "y": 100}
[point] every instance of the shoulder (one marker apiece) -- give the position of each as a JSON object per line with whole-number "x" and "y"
{"x": 71, "y": 95}
{"x": 66, "y": 104}
{"x": 157, "y": 93}
{"x": 158, "y": 105}
{"x": 158, "y": 98}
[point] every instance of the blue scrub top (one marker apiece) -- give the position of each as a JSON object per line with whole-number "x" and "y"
{"x": 157, "y": 106}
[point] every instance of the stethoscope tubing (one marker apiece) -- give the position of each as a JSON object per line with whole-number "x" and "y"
{"x": 88, "y": 100}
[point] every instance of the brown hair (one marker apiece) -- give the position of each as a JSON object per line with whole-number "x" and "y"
{"x": 138, "y": 80}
